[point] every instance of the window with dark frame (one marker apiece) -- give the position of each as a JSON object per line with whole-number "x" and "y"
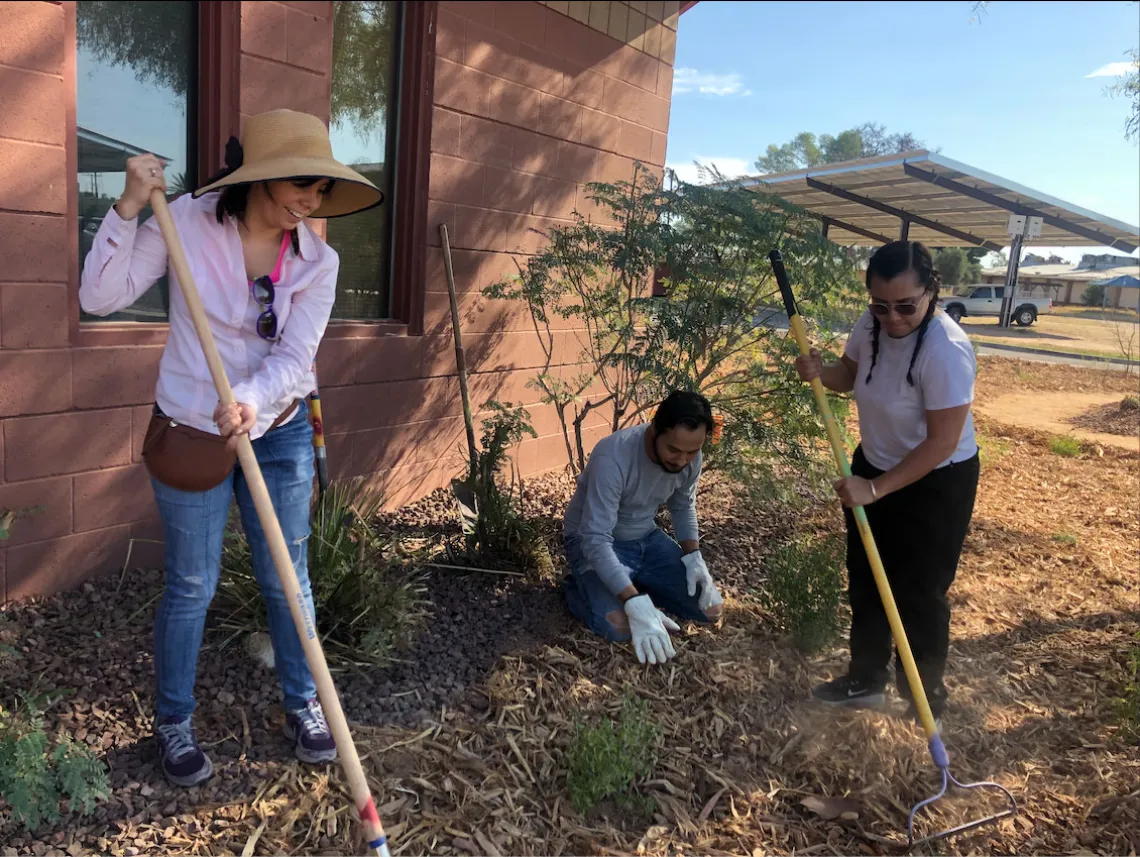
{"x": 136, "y": 91}
{"x": 367, "y": 41}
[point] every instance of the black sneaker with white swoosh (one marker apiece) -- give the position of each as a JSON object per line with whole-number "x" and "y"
{"x": 850, "y": 692}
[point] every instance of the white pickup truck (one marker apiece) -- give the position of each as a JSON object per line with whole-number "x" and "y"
{"x": 987, "y": 300}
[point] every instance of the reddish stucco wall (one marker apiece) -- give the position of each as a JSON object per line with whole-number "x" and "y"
{"x": 529, "y": 104}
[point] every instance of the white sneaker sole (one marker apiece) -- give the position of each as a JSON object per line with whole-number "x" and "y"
{"x": 309, "y": 757}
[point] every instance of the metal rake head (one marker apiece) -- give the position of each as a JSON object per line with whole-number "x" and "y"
{"x": 941, "y": 759}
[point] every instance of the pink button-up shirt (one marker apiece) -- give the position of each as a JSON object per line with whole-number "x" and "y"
{"x": 127, "y": 259}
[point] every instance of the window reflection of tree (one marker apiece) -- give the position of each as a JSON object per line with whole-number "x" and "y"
{"x": 156, "y": 42}
{"x": 365, "y": 45}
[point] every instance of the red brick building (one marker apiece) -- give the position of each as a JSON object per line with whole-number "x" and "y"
{"x": 485, "y": 116}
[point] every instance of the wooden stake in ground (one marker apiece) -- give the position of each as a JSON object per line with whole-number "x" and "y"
{"x": 302, "y": 619}
{"x": 464, "y": 491}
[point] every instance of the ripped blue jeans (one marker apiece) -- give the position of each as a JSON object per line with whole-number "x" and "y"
{"x": 194, "y": 525}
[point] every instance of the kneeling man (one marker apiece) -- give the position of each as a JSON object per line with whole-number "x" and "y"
{"x": 624, "y": 569}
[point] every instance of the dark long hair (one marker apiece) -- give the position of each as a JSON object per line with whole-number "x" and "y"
{"x": 234, "y": 200}
{"x": 888, "y": 262}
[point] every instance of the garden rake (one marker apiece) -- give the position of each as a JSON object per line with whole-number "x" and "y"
{"x": 302, "y": 618}
{"x": 937, "y": 749}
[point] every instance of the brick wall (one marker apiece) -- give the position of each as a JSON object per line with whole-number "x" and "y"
{"x": 531, "y": 101}
{"x": 530, "y": 104}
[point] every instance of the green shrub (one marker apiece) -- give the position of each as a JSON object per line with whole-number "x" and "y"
{"x": 1126, "y": 707}
{"x": 804, "y": 589}
{"x": 1065, "y": 446}
{"x": 991, "y": 449}
{"x": 368, "y": 604}
{"x": 1093, "y": 296}
{"x": 1130, "y": 403}
{"x": 36, "y": 773}
{"x": 1065, "y": 539}
{"x": 500, "y": 531}
{"x": 607, "y": 760}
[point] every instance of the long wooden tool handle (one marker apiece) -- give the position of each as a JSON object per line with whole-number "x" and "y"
{"x": 796, "y": 323}
{"x": 460, "y": 355}
{"x": 302, "y": 619}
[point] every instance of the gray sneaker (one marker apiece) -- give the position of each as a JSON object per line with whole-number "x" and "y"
{"x": 182, "y": 760}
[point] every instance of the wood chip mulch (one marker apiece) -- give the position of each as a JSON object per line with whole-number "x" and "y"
{"x": 1046, "y": 604}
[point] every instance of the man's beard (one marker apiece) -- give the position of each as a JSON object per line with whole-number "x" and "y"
{"x": 661, "y": 461}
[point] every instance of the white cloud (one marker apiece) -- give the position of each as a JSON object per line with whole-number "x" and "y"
{"x": 1113, "y": 69}
{"x": 707, "y": 83}
{"x": 730, "y": 168}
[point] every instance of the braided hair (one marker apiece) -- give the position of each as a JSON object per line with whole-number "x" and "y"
{"x": 888, "y": 262}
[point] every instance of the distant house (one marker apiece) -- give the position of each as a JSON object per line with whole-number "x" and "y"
{"x": 488, "y": 117}
{"x": 1066, "y": 283}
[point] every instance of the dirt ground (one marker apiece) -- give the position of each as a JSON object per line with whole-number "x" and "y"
{"x": 1045, "y": 605}
{"x": 1115, "y": 337}
{"x": 1056, "y": 413}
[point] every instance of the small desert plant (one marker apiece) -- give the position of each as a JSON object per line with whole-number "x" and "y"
{"x": 500, "y": 530}
{"x": 804, "y": 589}
{"x": 368, "y": 605}
{"x": 607, "y": 760}
{"x": 991, "y": 449}
{"x": 1126, "y": 706}
{"x": 37, "y": 772}
{"x": 1130, "y": 403}
{"x": 1065, "y": 539}
{"x": 1065, "y": 446}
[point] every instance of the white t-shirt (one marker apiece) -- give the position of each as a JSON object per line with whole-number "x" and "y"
{"x": 892, "y": 414}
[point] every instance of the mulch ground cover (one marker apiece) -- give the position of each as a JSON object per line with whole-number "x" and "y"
{"x": 464, "y": 739}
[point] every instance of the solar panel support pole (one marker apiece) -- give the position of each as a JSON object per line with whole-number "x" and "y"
{"x": 1020, "y": 227}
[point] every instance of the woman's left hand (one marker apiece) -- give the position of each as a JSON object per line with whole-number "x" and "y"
{"x": 235, "y": 420}
{"x": 854, "y": 491}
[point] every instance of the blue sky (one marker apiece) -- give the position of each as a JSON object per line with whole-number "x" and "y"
{"x": 1010, "y": 93}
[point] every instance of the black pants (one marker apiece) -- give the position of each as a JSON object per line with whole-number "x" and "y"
{"x": 919, "y": 532}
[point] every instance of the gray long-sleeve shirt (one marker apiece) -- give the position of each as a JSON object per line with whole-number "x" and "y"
{"x": 618, "y": 496}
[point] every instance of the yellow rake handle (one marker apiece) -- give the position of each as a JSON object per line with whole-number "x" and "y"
{"x": 796, "y": 322}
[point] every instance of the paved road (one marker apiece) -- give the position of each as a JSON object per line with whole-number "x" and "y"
{"x": 1061, "y": 359}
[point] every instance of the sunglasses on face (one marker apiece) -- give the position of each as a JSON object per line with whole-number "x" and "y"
{"x": 907, "y": 308}
{"x": 263, "y": 293}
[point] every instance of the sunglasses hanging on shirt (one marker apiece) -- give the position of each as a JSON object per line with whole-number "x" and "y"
{"x": 263, "y": 293}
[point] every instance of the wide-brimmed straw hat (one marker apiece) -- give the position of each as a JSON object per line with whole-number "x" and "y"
{"x": 285, "y": 144}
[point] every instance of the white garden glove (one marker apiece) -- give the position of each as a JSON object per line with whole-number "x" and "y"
{"x": 650, "y": 629}
{"x": 697, "y": 573}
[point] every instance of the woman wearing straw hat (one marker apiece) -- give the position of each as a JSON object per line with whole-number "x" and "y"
{"x": 267, "y": 283}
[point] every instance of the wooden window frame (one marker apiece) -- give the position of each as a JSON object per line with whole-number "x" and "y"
{"x": 218, "y": 117}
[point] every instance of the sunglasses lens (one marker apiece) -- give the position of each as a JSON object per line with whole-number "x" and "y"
{"x": 880, "y": 309}
{"x": 263, "y": 290}
{"x": 267, "y": 324}
{"x": 906, "y": 309}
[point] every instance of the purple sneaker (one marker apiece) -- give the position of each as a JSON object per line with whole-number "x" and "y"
{"x": 181, "y": 758}
{"x": 309, "y": 731}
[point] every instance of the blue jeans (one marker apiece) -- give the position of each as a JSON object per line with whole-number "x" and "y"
{"x": 194, "y": 524}
{"x": 658, "y": 572}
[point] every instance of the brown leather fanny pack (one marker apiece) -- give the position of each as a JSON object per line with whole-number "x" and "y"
{"x": 188, "y": 459}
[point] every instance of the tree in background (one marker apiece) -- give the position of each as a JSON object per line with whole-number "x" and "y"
{"x": 806, "y": 150}
{"x": 958, "y": 266}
